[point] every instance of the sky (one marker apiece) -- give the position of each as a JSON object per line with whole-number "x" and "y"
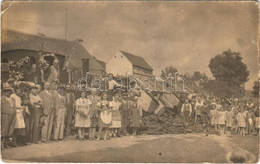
{"x": 185, "y": 35}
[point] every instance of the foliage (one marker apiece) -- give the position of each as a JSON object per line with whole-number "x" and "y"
{"x": 19, "y": 69}
{"x": 223, "y": 89}
{"x": 228, "y": 67}
{"x": 200, "y": 78}
{"x": 230, "y": 74}
{"x": 168, "y": 70}
{"x": 255, "y": 91}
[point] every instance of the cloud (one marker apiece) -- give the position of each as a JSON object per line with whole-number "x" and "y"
{"x": 183, "y": 34}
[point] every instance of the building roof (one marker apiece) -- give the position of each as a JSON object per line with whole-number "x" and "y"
{"x": 103, "y": 64}
{"x": 13, "y": 40}
{"x": 137, "y": 60}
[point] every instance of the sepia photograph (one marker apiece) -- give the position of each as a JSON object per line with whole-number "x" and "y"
{"x": 130, "y": 81}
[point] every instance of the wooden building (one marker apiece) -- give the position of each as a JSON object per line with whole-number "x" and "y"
{"x": 74, "y": 59}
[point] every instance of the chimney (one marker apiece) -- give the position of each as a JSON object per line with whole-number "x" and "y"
{"x": 79, "y": 40}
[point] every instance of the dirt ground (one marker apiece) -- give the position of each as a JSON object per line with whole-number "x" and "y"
{"x": 147, "y": 148}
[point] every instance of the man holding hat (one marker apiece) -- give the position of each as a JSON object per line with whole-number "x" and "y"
{"x": 6, "y": 111}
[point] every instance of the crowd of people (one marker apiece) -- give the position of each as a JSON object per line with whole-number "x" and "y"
{"x": 33, "y": 113}
{"x": 50, "y": 112}
{"x": 222, "y": 115}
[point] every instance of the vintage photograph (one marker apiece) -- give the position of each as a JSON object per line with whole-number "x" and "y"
{"x": 130, "y": 81}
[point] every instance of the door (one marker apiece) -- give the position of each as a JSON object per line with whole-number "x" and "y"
{"x": 85, "y": 66}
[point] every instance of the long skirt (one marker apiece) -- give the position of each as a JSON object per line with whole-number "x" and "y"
{"x": 82, "y": 121}
{"x": 116, "y": 119}
{"x": 105, "y": 119}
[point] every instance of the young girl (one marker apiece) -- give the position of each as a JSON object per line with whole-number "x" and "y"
{"x": 214, "y": 117}
{"x": 229, "y": 118}
{"x": 134, "y": 117}
{"x": 95, "y": 99}
{"x": 105, "y": 117}
{"x": 221, "y": 120}
{"x": 82, "y": 117}
{"x": 116, "y": 117}
{"x": 250, "y": 121}
{"x": 241, "y": 121}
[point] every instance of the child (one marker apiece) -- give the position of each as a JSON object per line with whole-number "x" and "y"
{"x": 105, "y": 117}
{"x": 116, "y": 117}
{"x": 204, "y": 113}
{"x": 82, "y": 117}
{"x": 198, "y": 106}
{"x": 241, "y": 121}
{"x": 250, "y": 121}
{"x": 134, "y": 117}
{"x": 95, "y": 99}
{"x": 214, "y": 117}
{"x": 221, "y": 120}
{"x": 229, "y": 118}
{"x": 186, "y": 112}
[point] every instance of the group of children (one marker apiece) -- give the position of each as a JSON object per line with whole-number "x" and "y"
{"x": 112, "y": 117}
{"x": 226, "y": 116}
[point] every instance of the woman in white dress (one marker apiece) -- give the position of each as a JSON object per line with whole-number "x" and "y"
{"x": 82, "y": 115}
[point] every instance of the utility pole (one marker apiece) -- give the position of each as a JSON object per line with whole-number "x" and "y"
{"x": 66, "y": 26}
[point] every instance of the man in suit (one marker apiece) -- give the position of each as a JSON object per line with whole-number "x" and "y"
{"x": 36, "y": 111}
{"x": 70, "y": 97}
{"x": 5, "y": 114}
{"x": 48, "y": 112}
{"x": 59, "y": 113}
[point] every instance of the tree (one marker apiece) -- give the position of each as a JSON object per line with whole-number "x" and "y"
{"x": 222, "y": 89}
{"x": 228, "y": 67}
{"x": 199, "y": 78}
{"x": 167, "y": 71}
{"x": 255, "y": 91}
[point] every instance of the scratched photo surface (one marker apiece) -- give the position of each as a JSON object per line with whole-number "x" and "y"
{"x": 130, "y": 81}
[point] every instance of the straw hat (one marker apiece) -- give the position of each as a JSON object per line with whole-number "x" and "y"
{"x": 6, "y": 87}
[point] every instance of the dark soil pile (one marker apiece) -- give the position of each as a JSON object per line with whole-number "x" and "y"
{"x": 170, "y": 122}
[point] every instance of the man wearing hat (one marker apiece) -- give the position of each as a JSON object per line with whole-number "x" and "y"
{"x": 20, "y": 131}
{"x": 36, "y": 106}
{"x": 70, "y": 97}
{"x": 59, "y": 113}
{"x": 6, "y": 111}
{"x": 47, "y": 112}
